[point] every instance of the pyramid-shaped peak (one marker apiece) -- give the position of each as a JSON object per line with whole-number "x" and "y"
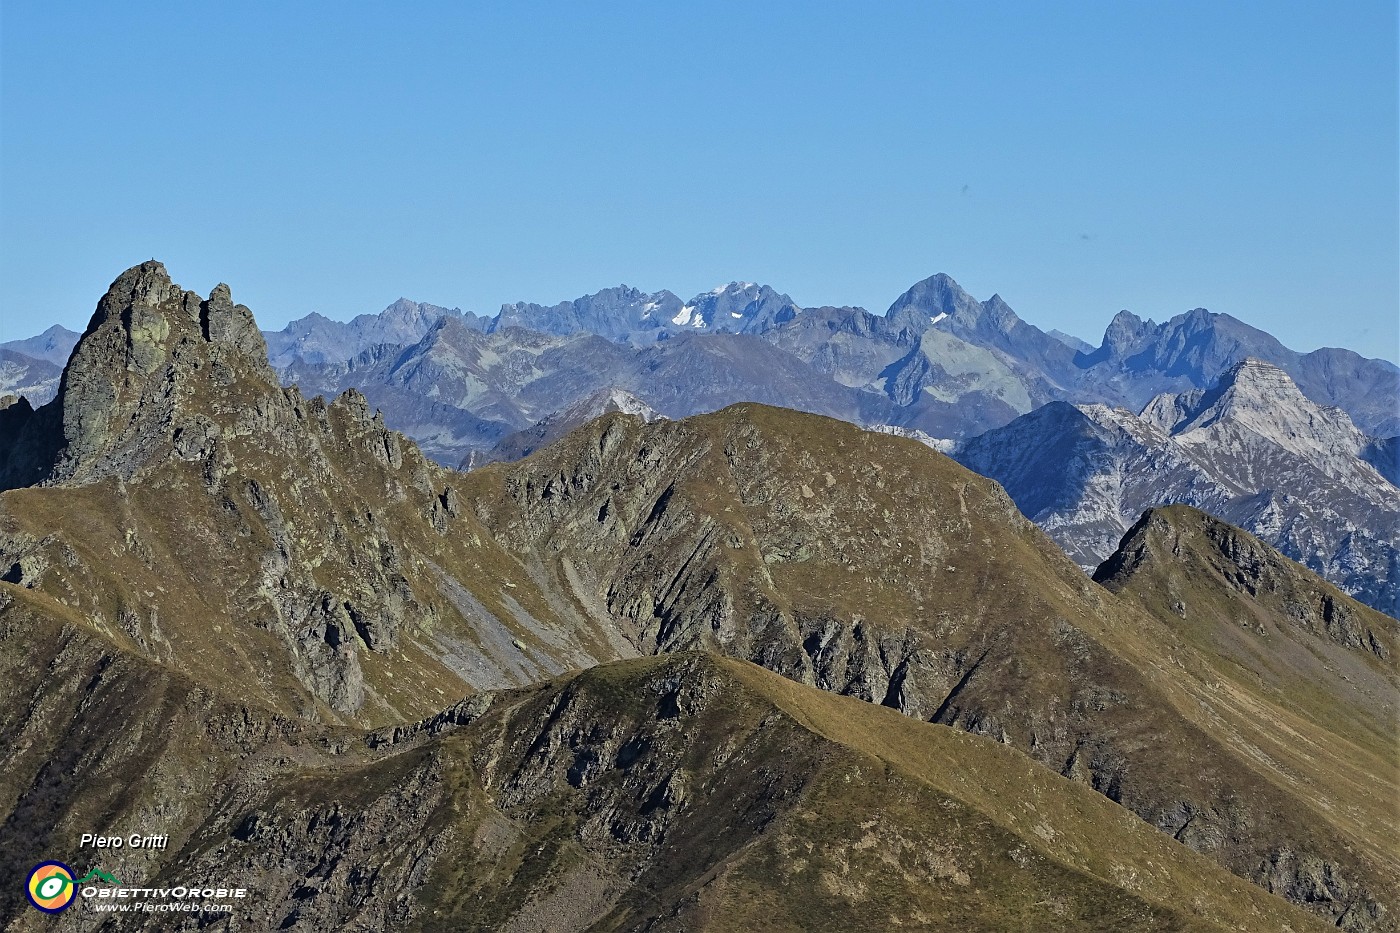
{"x": 1254, "y": 382}
{"x": 940, "y": 284}
{"x": 610, "y": 399}
{"x": 940, "y": 280}
{"x": 937, "y": 295}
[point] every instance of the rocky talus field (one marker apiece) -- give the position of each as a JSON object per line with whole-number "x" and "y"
{"x": 755, "y": 669}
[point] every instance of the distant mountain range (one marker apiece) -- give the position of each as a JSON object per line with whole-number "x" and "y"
{"x": 937, "y": 360}
{"x": 1252, "y": 449}
{"x": 1064, "y": 426}
{"x": 317, "y": 339}
{"x": 937, "y": 344}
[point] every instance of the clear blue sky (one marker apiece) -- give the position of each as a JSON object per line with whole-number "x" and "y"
{"x": 1078, "y": 158}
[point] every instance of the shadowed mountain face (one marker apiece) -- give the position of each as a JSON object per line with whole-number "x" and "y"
{"x": 349, "y": 675}
{"x": 1251, "y": 449}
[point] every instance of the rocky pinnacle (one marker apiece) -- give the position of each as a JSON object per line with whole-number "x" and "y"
{"x": 126, "y": 391}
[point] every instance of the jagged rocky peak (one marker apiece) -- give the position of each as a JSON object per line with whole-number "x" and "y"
{"x": 148, "y": 350}
{"x": 745, "y": 307}
{"x": 146, "y": 318}
{"x": 1255, "y": 380}
{"x": 1124, "y": 331}
{"x": 232, "y": 324}
{"x": 405, "y": 321}
{"x": 999, "y": 312}
{"x": 409, "y": 309}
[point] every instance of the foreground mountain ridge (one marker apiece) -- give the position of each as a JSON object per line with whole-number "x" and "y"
{"x": 258, "y": 572}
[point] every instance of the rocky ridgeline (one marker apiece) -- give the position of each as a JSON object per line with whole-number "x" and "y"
{"x": 650, "y": 795}
{"x": 791, "y": 542}
{"x": 194, "y": 519}
{"x": 938, "y": 363}
{"x": 1175, "y": 542}
{"x": 315, "y": 520}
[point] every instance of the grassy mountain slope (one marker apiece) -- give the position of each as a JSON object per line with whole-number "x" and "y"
{"x": 874, "y": 567}
{"x": 257, "y": 576}
{"x": 688, "y": 792}
{"x": 1310, "y": 672}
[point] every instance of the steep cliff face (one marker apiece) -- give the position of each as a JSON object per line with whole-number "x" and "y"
{"x": 128, "y": 395}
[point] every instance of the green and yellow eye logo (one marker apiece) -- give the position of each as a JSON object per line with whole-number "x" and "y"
{"x": 50, "y": 887}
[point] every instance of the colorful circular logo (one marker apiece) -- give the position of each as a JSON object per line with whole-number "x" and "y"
{"x": 51, "y": 887}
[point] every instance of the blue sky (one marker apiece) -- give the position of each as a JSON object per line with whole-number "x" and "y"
{"x": 1077, "y": 158}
